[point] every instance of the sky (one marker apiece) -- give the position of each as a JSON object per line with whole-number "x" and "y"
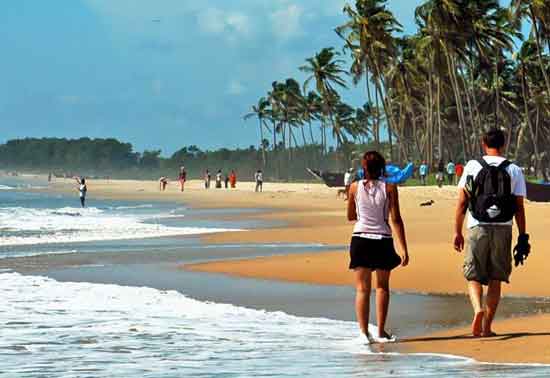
{"x": 159, "y": 74}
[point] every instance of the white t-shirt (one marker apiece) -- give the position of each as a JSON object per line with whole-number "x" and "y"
{"x": 82, "y": 189}
{"x": 516, "y": 174}
{"x": 347, "y": 178}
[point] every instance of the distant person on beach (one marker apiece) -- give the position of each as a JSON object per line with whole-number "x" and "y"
{"x": 182, "y": 178}
{"x": 207, "y": 178}
{"x": 348, "y": 180}
{"x": 50, "y": 177}
{"x": 440, "y": 175}
{"x": 259, "y": 178}
{"x": 492, "y": 189}
{"x": 163, "y": 181}
{"x": 226, "y": 181}
{"x": 82, "y": 190}
{"x": 423, "y": 172}
{"x": 372, "y": 202}
{"x": 459, "y": 171}
{"x": 451, "y": 171}
{"x": 219, "y": 179}
{"x": 233, "y": 179}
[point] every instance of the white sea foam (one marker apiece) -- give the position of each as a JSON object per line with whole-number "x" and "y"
{"x": 28, "y": 226}
{"x": 82, "y": 329}
{"x": 6, "y": 187}
{"x": 17, "y": 254}
{"x": 108, "y": 330}
{"x": 144, "y": 206}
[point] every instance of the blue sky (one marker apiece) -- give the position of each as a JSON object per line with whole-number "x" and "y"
{"x": 160, "y": 74}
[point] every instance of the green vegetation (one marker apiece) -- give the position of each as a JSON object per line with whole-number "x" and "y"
{"x": 109, "y": 157}
{"x": 432, "y": 94}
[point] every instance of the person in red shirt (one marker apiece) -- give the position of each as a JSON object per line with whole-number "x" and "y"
{"x": 233, "y": 179}
{"x": 459, "y": 169}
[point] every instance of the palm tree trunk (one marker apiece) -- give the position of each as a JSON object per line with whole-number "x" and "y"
{"x": 439, "y": 129}
{"x": 376, "y": 133}
{"x": 311, "y": 133}
{"x": 303, "y": 135}
{"x": 262, "y": 141}
{"x": 497, "y": 94}
{"x": 454, "y": 85}
{"x": 525, "y": 93}
{"x": 537, "y": 42}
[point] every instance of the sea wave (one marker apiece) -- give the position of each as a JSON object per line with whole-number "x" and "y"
{"x": 6, "y": 187}
{"x": 29, "y": 226}
{"x": 56, "y": 329}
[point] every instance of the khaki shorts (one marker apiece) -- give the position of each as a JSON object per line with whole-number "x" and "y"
{"x": 488, "y": 255}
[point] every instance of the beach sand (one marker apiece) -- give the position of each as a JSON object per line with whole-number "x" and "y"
{"x": 311, "y": 213}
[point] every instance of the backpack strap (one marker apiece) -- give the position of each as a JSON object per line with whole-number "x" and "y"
{"x": 483, "y": 163}
{"x": 505, "y": 164}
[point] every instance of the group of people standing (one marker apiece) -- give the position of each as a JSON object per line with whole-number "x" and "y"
{"x": 227, "y": 180}
{"x": 491, "y": 191}
{"x": 221, "y": 180}
{"x": 452, "y": 171}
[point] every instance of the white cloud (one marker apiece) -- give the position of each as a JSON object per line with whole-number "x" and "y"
{"x": 217, "y": 21}
{"x": 69, "y": 99}
{"x": 235, "y": 88}
{"x": 286, "y": 22}
{"x": 211, "y": 20}
{"x": 156, "y": 87}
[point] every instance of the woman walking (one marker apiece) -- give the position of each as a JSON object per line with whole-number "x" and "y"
{"x": 372, "y": 203}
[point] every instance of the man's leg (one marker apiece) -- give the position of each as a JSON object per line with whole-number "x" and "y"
{"x": 493, "y": 299}
{"x": 475, "y": 290}
{"x": 362, "y": 297}
{"x": 382, "y": 300}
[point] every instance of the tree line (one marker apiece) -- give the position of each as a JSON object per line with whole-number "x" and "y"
{"x": 429, "y": 95}
{"x": 110, "y": 157}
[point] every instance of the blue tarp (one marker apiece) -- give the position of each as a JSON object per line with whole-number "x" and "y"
{"x": 394, "y": 174}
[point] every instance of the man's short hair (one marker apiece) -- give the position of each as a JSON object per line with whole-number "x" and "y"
{"x": 494, "y": 138}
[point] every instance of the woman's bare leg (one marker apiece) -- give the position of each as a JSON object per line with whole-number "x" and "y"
{"x": 382, "y": 300}
{"x": 362, "y": 297}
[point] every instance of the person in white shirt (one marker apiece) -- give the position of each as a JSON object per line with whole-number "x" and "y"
{"x": 451, "y": 171}
{"x": 348, "y": 180}
{"x": 259, "y": 178}
{"x": 82, "y": 190}
{"x": 491, "y": 209}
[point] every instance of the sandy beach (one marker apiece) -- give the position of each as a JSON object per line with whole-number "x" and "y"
{"x": 311, "y": 213}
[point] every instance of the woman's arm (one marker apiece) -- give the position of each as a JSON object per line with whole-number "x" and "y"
{"x": 352, "y": 211}
{"x": 397, "y": 223}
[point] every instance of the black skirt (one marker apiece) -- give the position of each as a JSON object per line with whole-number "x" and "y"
{"x": 375, "y": 254}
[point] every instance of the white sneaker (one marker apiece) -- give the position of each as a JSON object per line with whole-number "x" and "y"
{"x": 385, "y": 340}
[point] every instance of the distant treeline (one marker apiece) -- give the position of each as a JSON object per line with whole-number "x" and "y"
{"x": 110, "y": 157}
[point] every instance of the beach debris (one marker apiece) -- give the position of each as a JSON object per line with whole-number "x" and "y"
{"x": 427, "y": 203}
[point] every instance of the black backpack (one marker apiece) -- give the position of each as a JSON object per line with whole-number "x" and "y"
{"x": 491, "y": 198}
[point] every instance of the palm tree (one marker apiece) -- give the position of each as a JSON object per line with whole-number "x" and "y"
{"x": 261, "y": 112}
{"x": 538, "y": 11}
{"x": 368, "y": 34}
{"x": 326, "y": 70}
{"x": 311, "y": 111}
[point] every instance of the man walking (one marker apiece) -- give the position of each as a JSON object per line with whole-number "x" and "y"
{"x": 492, "y": 189}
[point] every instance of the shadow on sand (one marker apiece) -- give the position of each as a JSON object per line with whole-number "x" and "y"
{"x": 501, "y": 337}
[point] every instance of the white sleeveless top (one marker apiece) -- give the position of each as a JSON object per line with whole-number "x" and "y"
{"x": 372, "y": 206}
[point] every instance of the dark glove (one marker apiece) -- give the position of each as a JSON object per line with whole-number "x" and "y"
{"x": 522, "y": 249}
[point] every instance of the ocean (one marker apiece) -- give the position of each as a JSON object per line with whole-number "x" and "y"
{"x": 94, "y": 293}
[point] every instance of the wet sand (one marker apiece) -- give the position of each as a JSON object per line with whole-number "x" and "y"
{"x": 311, "y": 213}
